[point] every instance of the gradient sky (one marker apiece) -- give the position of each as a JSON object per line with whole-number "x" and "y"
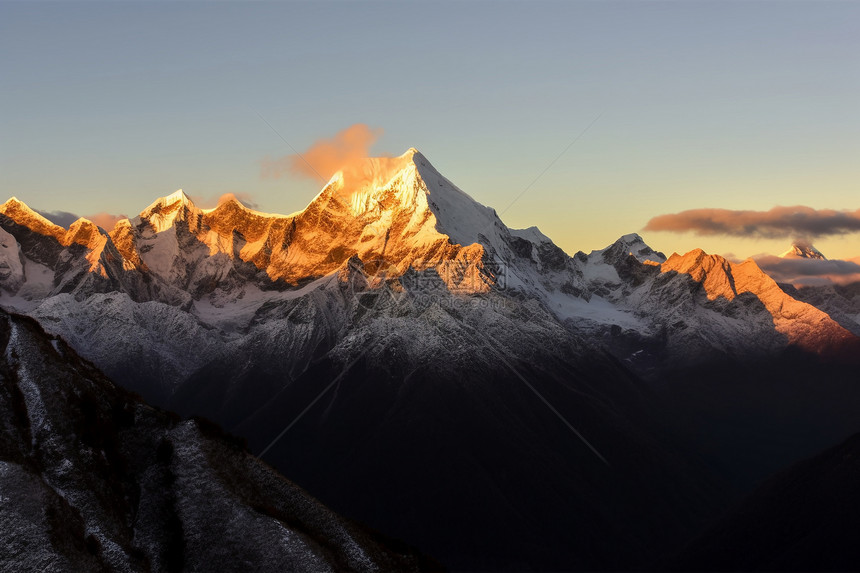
{"x": 105, "y": 106}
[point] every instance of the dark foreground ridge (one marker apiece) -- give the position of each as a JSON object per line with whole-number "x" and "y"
{"x": 806, "y": 518}
{"x": 92, "y": 479}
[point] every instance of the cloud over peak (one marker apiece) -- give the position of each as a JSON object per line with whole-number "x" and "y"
{"x": 345, "y": 151}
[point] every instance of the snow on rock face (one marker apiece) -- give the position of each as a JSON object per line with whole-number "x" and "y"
{"x": 803, "y": 325}
{"x": 132, "y": 341}
{"x": 11, "y": 263}
{"x": 406, "y": 227}
{"x": 631, "y": 245}
{"x": 410, "y": 218}
{"x": 166, "y": 211}
{"x": 84, "y": 232}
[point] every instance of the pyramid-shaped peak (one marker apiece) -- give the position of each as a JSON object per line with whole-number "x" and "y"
{"x": 163, "y": 212}
{"x": 169, "y": 202}
{"x": 803, "y": 250}
{"x": 631, "y": 238}
{"x": 178, "y": 195}
{"x": 408, "y": 185}
{"x": 632, "y": 245}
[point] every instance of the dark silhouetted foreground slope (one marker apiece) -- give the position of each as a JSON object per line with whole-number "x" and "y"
{"x": 93, "y": 479}
{"x": 806, "y": 518}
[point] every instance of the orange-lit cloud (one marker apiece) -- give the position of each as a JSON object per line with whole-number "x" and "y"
{"x": 345, "y": 152}
{"x": 106, "y": 221}
{"x": 243, "y": 198}
{"x": 779, "y": 222}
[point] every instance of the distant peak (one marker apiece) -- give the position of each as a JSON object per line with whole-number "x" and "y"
{"x": 631, "y": 238}
{"x": 803, "y": 250}
{"x": 633, "y": 245}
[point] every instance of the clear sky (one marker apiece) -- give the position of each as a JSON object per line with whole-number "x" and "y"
{"x": 105, "y": 106}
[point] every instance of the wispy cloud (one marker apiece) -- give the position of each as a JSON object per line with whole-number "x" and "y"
{"x": 345, "y": 151}
{"x": 106, "y": 221}
{"x": 779, "y": 222}
{"x": 810, "y": 271}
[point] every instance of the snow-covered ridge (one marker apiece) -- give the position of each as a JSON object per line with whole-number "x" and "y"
{"x": 405, "y": 226}
{"x": 22, "y": 214}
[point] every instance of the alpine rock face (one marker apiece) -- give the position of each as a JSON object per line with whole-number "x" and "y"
{"x": 397, "y": 323}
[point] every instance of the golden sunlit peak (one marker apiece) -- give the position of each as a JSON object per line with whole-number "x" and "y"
{"x": 371, "y": 171}
{"x": 21, "y": 213}
{"x": 177, "y": 196}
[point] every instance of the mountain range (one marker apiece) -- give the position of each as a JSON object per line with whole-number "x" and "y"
{"x": 416, "y": 365}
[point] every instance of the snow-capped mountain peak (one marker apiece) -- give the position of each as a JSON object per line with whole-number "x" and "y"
{"x": 177, "y": 196}
{"x": 410, "y": 184}
{"x": 803, "y": 250}
{"x": 631, "y": 245}
{"x": 163, "y": 212}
